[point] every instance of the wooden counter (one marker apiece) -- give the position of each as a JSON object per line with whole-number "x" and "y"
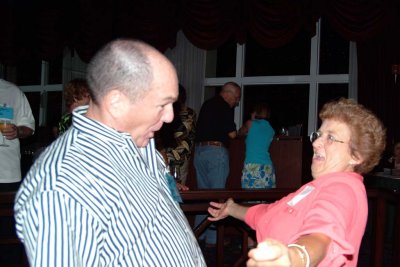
{"x": 287, "y": 156}
{"x": 382, "y": 180}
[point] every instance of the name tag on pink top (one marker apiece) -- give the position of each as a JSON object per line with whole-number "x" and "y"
{"x": 305, "y": 192}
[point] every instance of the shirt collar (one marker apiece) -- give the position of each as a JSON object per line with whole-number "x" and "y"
{"x": 101, "y": 131}
{"x": 336, "y": 176}
{"x": 96, "y": 128}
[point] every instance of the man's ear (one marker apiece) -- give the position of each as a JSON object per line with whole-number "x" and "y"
{"x": 116, "y": 103}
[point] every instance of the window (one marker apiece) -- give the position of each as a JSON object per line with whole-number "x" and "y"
{"x": 280, "y": 99}
{"x": 291, "y": 59}
{"x": 296, "y": 80}
{"x": 327, "y": 92}
{"x": 41, "y": 81}
{"x": 222, "y": 61}
{"x": 334, "y": 52}
{"x": 28, "y": 73}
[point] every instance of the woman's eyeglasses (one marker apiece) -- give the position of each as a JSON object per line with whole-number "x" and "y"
{"x": 329, "y": 139}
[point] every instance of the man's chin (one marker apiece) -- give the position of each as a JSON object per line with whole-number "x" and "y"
{"x": 142, "y": 143}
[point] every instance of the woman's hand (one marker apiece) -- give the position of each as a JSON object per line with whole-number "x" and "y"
{"x": 270, "y": 252}
{"x": 219, "y": 211}
{"x": 182, "y": 187}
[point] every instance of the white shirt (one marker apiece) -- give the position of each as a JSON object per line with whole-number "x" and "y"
{"x": 94, "y": 199}
{"x": 10, "y": 157}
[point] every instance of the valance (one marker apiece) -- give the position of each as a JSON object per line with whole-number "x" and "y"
{"x": 42, "y": 29}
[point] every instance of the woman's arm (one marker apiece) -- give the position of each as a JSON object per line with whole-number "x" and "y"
{"x": 219, "y": 211}
{"x": 245, "y": 128}
{"x": 310, "y": 249}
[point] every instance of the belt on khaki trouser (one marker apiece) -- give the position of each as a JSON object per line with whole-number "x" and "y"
{"x": 210, "y": 143}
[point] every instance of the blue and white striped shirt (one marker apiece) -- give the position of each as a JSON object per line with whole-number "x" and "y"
{"x": 94, "y": 199}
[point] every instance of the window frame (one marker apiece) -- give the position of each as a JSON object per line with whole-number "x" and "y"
{"x": 313, "y": 79}
{"x": 43, "y": 88}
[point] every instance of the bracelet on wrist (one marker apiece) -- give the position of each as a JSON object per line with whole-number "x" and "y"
{"x": 302, "y": 252}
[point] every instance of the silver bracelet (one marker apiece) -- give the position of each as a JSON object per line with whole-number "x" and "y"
{"x": 304, "y": 253}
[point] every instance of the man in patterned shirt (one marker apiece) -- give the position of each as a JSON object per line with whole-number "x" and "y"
{"x": 98, "y": 196}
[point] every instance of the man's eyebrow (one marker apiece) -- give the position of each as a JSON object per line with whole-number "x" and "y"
{"x": 170, "y": 98}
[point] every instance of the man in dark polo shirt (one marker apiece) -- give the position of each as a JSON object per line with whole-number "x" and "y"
{"x": 215, "y": 127}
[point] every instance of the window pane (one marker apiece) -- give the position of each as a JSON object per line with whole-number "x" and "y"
{"x": 222, "y": 61}
{"x": 34, "y": 102}
{"x": 44, "y": 133}
{"x": 334, "y": 51}
{"x": 210, "y": 91}
{"x": 55, "y": 71}
{"x": 54, "y": 107}
{"x": 28, "y": 145}
{"x": 291, "y": 59}
{"x": 289, "y": 103}
{"x": 28, "y": 72}
{"x": 327, "y": 92}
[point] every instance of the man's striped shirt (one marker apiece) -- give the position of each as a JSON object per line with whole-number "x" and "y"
{"x": 95, "y": 199}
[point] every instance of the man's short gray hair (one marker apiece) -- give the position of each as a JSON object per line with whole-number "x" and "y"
{"x": 230, "y": 87}
{"x": 122, "y": 64}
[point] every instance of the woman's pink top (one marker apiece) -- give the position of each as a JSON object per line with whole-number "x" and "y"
{"x": 334, "y": 204}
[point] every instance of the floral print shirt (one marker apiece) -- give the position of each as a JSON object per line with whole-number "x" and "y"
{"x": 184, "y": 136}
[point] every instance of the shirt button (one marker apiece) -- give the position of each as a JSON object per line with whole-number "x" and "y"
{"x": 290, "y": 210}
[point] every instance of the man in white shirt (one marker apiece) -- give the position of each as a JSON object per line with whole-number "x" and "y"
{"x": 14, "y": 108}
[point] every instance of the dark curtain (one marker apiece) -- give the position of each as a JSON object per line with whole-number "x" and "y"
{"x": 42, "y": 29}
{"x": 375, "y": 26}
{"x": 376, "y": 82}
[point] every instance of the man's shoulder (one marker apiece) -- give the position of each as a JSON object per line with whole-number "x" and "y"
{"x": 216, "y": 102}
{"x": 4, "y": 83}
{"x": 58, "y": 169}
{"x": 9, "y": 87}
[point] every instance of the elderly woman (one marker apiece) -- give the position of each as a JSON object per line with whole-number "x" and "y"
{"x": 76, "y": 93}
{"x": 323, "y": 222}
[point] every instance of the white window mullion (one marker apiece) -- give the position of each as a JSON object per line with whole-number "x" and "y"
{"x": 240, "y": 54}
{"x": 44, "y": 73}
{"x": 240, "y": 60}
{"x": 314, "y": 66}
{"x": 43, "y": 108}
{"x": 43, "y": 95}
{"x": 353, "y": 71}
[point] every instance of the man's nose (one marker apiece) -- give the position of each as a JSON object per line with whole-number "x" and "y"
{"x": 168, "y": 115}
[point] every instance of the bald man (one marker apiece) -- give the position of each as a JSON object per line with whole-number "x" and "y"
{"x": 98, "y": 195}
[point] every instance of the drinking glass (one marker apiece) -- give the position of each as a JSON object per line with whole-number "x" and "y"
{"x": 175, "y": 172}
{"x": 4, "y": 124}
